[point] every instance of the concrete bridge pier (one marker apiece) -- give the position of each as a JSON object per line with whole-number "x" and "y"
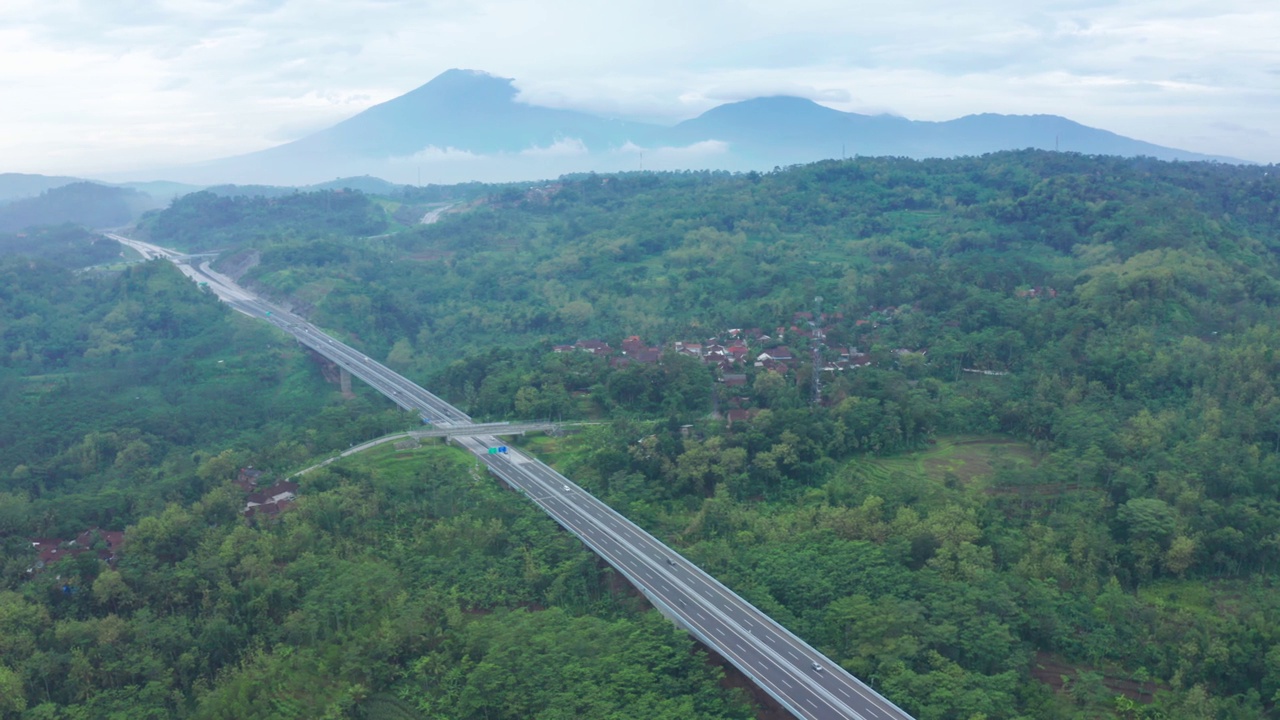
{"x": 332, "y": 372}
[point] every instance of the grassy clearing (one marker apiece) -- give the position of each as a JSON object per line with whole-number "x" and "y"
{"x": 1190, "y": 596}
{"x": 411, "y": 471}
{"x": 564, "y": 451}
{"x": 554, "y": 451}
{"x": 388, "y": 460}
{"x": 43, "y": 384}
{"x": 390, "y": 206}
{"x": 1208, "y": 599}
{"x": 589, "y": 409}
{"x": 967, "y": 459}
{"x": 972, "y": 458}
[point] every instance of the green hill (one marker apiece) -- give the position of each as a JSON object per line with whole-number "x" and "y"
{"x": 16, "y": 186}
{"x": 66, "y": 245}
{"x": 81, "y": 203}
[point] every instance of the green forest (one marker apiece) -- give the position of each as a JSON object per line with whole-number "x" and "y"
{"x": 1019, "y": 459}
{"x": 84, "y": 203}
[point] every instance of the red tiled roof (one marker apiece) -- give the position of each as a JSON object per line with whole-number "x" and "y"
{"x": 647, "y": 355}
{"x": 283, "y": 486}
{"x": 595, "y": 347}
{"x": 633, "y": 344}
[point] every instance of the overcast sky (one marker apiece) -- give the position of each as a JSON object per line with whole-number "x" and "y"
{"x": 109, "y": 85}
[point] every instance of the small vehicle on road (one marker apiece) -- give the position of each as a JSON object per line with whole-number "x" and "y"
{"x": 817, "y": 667}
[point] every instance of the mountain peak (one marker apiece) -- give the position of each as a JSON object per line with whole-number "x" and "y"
{"x": 773, "y": 110}
{"x": 469, "y": 86}
{"x": 772, "y": 103}
{"x": 467, "y": 124}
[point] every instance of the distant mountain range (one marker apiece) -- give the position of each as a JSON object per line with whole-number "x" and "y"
{"x": 16, "y": 186}
{"x": 28, "y": 201}
{"x": 21, "y": 186}
{"x": 468, "y": 125}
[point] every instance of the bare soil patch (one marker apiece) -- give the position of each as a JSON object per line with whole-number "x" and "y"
{"x": 1058, "y": 674}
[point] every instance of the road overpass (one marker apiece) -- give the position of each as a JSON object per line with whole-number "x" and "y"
{"x": 803, "y": 680}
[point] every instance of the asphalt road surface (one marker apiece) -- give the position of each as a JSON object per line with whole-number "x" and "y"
{"x": 799, "y": 677}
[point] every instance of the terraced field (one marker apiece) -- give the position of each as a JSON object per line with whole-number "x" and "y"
{"x": 989, "y": 463}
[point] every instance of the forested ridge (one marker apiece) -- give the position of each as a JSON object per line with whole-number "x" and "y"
{"x": 67, "y": 244}
{"x": 1046, "y": 488}
{"x": 83, "y": 203}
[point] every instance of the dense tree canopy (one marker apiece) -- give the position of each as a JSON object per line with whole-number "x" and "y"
{"x": 1048, "y": 490}
{"x": 209, "y": 221}
{"x": 65, "y": 245}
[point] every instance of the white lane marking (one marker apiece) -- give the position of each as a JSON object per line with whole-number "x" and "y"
{"x": 769, "y": 638}
{"x": 815, "y": 705}
{"x": 793, "y": 655}
{"x": 699, "y": 614}
{"x": 842, "y": 692}
{"x": 720, "y": 631}
{"x": 784, "y": 682}
{"x": 739, "y": 647}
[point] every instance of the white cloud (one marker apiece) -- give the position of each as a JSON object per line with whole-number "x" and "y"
{"x": 564, "y": 147}
{"x": 704, "y": 148}
{"x": 432, "y": 154}
{"x": 92, "y": 85}
{"x": 686, "y": 157}
{"x": 748, "y": 91}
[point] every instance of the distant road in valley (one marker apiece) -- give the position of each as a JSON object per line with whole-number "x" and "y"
{"x": 433, "y": 216}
